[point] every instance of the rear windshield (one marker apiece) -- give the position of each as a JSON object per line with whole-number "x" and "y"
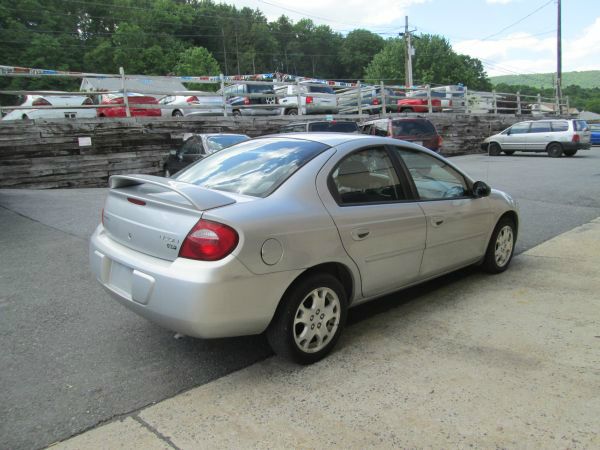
{"x": 335, "y": 127}
{"x": 321, "y": 89}
{"x": 255, "y": 167}
{"x": 260, "y": 88}
{"x": 580, "y": 125}
{"x": 412, "y": 127}
{"x": 216, "y": 143}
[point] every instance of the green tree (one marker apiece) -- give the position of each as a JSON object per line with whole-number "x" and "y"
{"x": 357, "y": 51}
{"x": 196, "y": 61}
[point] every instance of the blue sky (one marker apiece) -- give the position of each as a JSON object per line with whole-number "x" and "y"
{"x": 473, "y": 27}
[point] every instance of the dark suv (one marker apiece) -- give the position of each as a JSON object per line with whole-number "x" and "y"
{"x": 319, "y": 126}
{"x": 417, "y": 130}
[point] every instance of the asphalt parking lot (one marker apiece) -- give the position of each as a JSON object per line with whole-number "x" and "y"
{"x": 73, "y": 358}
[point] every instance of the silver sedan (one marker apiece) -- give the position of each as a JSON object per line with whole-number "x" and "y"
{"x": 282, "y": 234}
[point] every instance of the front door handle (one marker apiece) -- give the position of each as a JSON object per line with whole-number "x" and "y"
{"x": 359, "y": 234}
{"x": 437, "y": 221}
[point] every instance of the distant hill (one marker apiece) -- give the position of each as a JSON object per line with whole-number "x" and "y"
{"x": 586, "y": 79}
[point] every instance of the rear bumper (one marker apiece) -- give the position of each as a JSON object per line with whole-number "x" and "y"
{"x": 195, "y": 298}
{"x": 576, "y": 146}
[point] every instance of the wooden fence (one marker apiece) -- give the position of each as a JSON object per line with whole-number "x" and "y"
{"x": 84, "y": 153}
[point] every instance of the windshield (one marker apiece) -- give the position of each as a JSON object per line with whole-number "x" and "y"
{"x": 260, "y": 88}
{"x": 411, "y": 127}
{"x": 334, "y": 127}
{"x": 321, "y": 89}
{"x": 216, "y": 143}
{"x": 256, "y": 167}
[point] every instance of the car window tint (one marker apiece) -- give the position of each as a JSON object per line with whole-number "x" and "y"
{"x": 334, "y": 127}
{"x": 216, "y": 143}
{"x": 412, "y": 127}
{"x": 539, "y": 127}
{"x": 519, "y": 128}
{"x": 256, "y": 167}
{"x": 560, "y": 126}
{"x": 321, "y": 89}
{"x": 433, "y": 178}
{"x": 366, "y": 176}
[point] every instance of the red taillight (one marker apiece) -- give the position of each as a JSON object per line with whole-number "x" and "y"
{"x": 575, "y": 138}
{"x": 136, "y": 201}
{"x": 41, "y": 102}
{"x": 375, "y": 101}
{"x": 192, "y": 99}
{"x": 309, "y": 99}
{"x": 246, "y": 101}
{"x": 209, "y": 241}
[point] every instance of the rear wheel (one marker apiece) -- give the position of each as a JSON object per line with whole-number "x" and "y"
{"x": 555, "y": 150}
{"x": 501, "y": 247}
{"x": 309, "y": 320}
{"x": 292, "y": 112}
{"x": 509, "y": 152}
{"x": 570, "y": 152}
{"x": 236, "y": 113}
{"x": 494, "y": 149}
{"x": 177, "y": 113}
{"x": 406, "y": 110}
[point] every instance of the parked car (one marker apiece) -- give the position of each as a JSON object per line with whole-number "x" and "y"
{"x": 370, "y": 99}
{"x": 115, "y": 106}
{"x": 314, "y": 99}
{"x": 556, "y": 137}
{"x": 241, "y": 100}
{"x": 64, "y": 108}
{"x": 198, "y": 146}
{"x": 595, "y": 136}
{"x": 192, "y": 105}
{"x": 417, "y": 130}
{"x": 284, "y": 233}
{"x": 319, "y": 126}
{"x": 417, "y": 102}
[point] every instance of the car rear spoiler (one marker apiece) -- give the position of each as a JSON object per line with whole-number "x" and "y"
{"x": 200, "y": 198}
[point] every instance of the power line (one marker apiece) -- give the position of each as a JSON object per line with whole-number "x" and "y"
{"x": 518, "y": 21}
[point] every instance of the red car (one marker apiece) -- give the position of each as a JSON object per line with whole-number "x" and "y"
{"x": 417, "y": 130}
{"x": 117, "y": 108}
{"x": 418, "y": 102}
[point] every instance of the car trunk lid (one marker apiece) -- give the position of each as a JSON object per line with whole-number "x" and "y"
{"x": 153, "y": 215}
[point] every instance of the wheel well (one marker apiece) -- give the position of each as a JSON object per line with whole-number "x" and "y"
{"x": 175, "y": 111}
{"x": 512, "y": 216}
{"x": 338, "y": 270}
{"x": 553, "y": 142}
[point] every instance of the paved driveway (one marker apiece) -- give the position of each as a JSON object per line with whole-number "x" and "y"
{"x": 72, "y": 357}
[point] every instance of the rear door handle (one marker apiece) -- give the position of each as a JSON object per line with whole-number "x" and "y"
{"x": 359, "y": 234}
{"x": 437, "y": 221}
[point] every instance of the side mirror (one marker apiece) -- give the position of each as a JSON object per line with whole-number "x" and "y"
{"x": 508, "y": 132}
{"x": 481, "y": 189}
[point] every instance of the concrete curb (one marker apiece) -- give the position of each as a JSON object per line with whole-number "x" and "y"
{"x": 488, "y": 361}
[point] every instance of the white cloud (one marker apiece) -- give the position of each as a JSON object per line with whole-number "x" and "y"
{"x": 345, "y": 15}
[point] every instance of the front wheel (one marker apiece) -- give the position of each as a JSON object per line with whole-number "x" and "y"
{"x": 236, "y": 113}
{"x": 555, "y": 150}
{"x": 570, "y": 152}
{"x": 292, "y": 112}
{"x": 494, "y": 149}
{"x": 177, "y": 113}
{"x": 501, "y": 247}
{"x": 309, "y": 320}
{"x": 406, "y": 110}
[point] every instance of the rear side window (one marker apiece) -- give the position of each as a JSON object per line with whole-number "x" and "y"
{"x": 580, "y": 125}
{"x": 255, "y": 167}
{"x": 334, "y": 127}
{"x": 412, "y": 127}
{"x": 366, "y": 176}
{"x": 560, "y": 126}
{"x": 539, "y": 127}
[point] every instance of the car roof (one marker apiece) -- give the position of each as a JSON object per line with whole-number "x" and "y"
{"x": 386, "y": 119}
{"x": 319, "y": 121}
{"x": 331, "y": 139}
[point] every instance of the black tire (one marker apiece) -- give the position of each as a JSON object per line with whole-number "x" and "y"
{"x": 494, "y": 149}
{"x": 177, "y": 113}
{"x": 291, "y": 112}
{"x": 491, "y": 263}
{"x": 569, "y": 152}
{"x": 236, "y": 113}
{"x": 509, "y": 152}
{"x": 554, "y": 150}
{"x": 281, "y": 332}
{"x": 25, "y": 117}
{"x": 407, "y": 110}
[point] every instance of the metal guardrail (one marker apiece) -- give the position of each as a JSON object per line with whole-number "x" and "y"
{"x": 351, "y": 98}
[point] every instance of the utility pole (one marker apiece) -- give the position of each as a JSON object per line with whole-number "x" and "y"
{"x": 558, "y": 60}
{"x": 408, "y": 77}
{"x": 224, "y": 51}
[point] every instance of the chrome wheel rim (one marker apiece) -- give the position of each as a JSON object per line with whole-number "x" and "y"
{"x": 316, "y": 320}
{"x": 504, "y": 245}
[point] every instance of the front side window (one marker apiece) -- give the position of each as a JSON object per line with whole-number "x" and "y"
{"x": 519, "y": 128}
{"x": 366, "y": 176}
{"x": 433, "y": 178}
{"x": 256, "y": 167}
{"x": 193, "y": 146}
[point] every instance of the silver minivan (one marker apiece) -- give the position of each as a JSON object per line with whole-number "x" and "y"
{"x": 556, "y": 137}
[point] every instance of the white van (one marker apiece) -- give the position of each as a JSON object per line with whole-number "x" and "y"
{"x": 315, "y": 98}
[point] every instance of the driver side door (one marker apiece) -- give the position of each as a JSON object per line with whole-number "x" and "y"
{"x": 458, "y": 224}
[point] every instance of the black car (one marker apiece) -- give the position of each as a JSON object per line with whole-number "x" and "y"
{"x": 320, "y": 126}
{"x": 197, "y": 146}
